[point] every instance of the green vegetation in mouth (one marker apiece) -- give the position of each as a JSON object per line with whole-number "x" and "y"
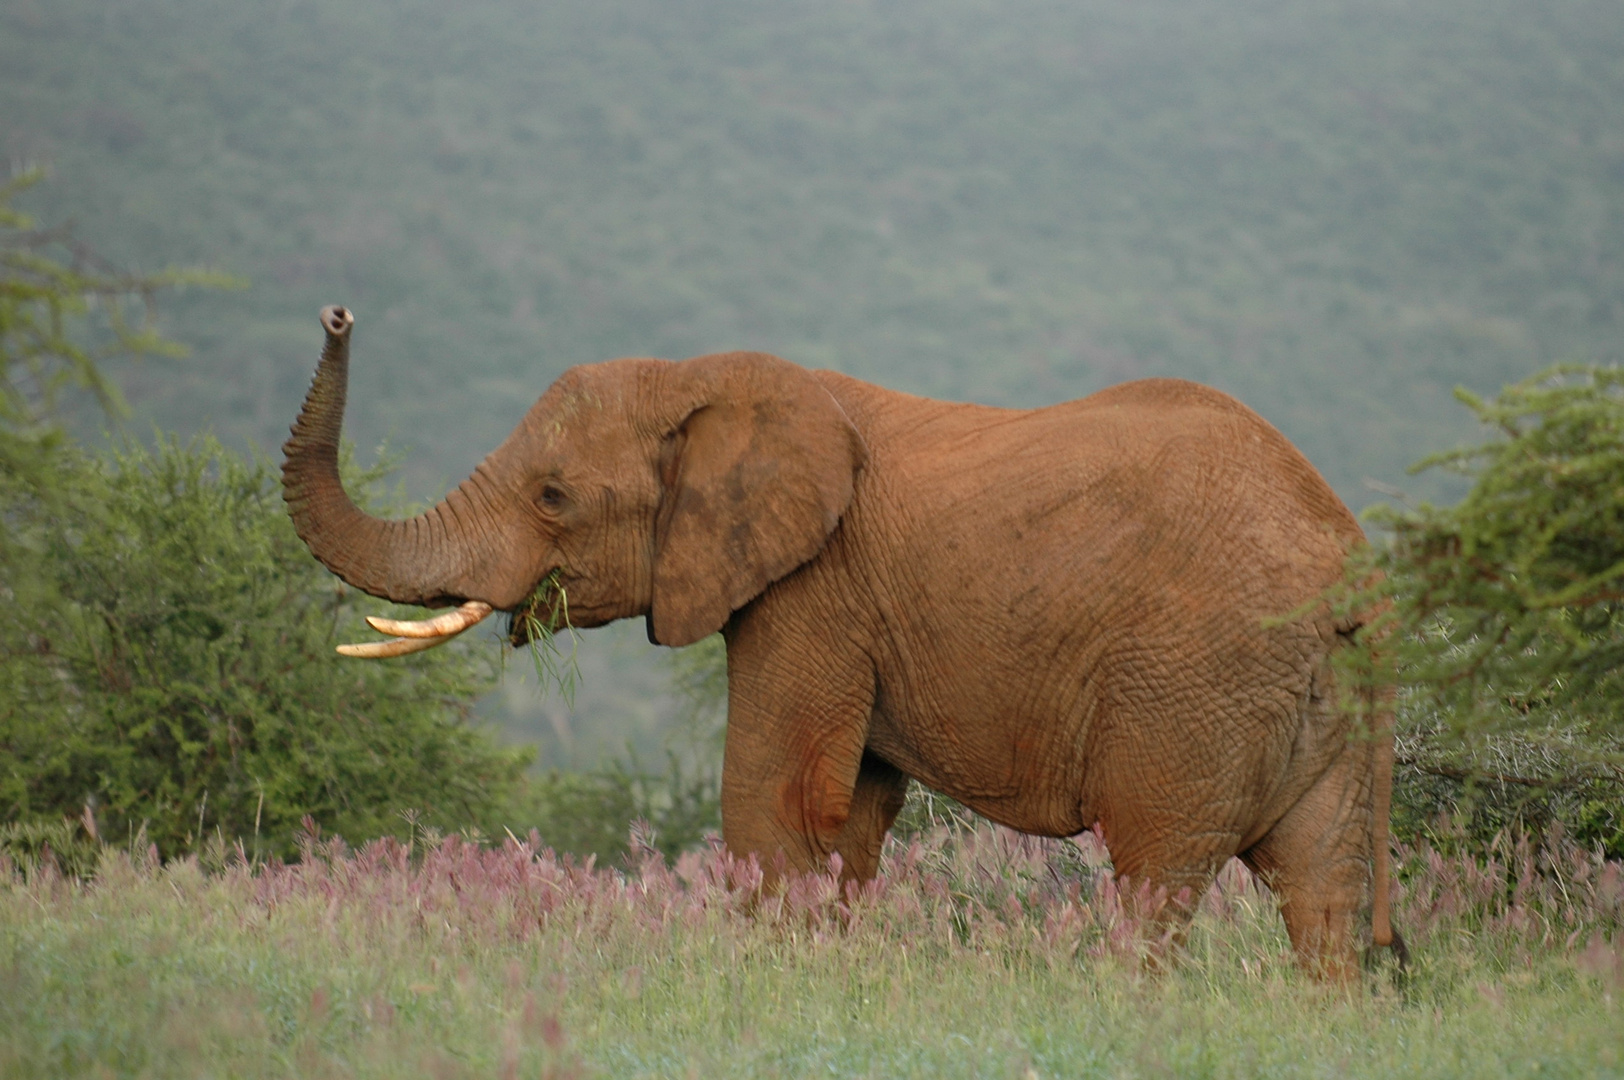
{"x": 536, "y": 623}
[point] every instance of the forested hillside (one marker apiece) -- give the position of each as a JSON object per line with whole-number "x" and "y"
{"x": 1336, "y": 209}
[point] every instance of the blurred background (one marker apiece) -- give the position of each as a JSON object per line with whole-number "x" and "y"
{"x": 1337, "y": 210}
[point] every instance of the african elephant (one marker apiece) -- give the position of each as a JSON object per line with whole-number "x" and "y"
{"x": 1090, "y": 613}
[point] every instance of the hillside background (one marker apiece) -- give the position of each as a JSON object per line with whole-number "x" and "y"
{"x": 1337, "y": 210}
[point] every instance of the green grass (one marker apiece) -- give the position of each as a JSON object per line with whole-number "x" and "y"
{"x": 979, "y": 955}
{"x": 539, "y": 634}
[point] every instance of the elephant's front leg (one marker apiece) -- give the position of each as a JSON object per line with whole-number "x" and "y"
{"x": 795, "y": 776}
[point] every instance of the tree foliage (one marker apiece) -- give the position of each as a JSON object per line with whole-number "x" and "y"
{"x": 166, "y": 666}
{"x": 1520, "y": 586}
{"x": 169, "y": 663}
{"x": 1503, "y": 616}
{"x": 62, "y": 312}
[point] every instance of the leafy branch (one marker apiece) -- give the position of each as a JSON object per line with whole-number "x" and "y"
{"x": 1501, "y": 619}
{"x": 51, "y": 286}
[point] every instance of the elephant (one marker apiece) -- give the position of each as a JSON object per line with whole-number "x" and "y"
{"x": 1098, "y": 614}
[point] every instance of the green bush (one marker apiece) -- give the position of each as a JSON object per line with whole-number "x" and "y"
{"x": 1554, "y": 781}
{"x": 1504, "y": 622}
{"x": 168, "y": 662}
{"x": 617, "y": 807}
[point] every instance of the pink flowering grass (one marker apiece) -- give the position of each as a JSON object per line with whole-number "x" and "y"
{"x": 977, "y": 952}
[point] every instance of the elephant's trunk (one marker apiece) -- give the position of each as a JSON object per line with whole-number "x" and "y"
{"x": 426, "y": 560}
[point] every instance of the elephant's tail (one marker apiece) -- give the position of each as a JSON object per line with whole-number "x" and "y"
{"x": 1380, "y": 703}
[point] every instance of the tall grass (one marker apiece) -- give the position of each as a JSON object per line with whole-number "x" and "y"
{"x": 977, "y": 953}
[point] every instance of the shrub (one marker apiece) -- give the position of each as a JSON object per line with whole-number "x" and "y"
{"x": 1504, "y": 623}
{"x": 1554, "y": 781}
{"x": 591, "y": 813}
{"x": 168, "y": 662}
{"x": 65, "y": 845}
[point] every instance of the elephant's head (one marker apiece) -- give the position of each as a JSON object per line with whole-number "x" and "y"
{"x": 675, "y": 490}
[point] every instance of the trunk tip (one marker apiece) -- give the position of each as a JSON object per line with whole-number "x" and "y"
{"x": 337, "y": 320}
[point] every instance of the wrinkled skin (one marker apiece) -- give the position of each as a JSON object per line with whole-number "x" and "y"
{"x": 1060, "y": 617}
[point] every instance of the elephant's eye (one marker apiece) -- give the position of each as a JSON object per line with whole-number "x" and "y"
{"x": 552, "y": 497}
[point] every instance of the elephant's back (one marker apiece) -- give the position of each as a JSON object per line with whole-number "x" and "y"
{"x": 1208, "y": 436}
{"x": 1156, "y": 476}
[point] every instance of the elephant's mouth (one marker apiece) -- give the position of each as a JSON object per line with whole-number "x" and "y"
{"x": 543, "y": 613}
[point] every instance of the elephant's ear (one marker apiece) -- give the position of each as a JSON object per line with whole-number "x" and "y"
{"x": 756, "y": 476}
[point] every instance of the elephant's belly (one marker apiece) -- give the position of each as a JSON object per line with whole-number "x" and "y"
{"x": 1083, "y": 739}
{"x": 1024, "y": 772}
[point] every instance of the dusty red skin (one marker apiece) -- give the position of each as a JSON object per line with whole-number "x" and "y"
{"x": 1061, "y": 617}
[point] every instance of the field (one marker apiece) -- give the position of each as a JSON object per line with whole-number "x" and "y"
{"x": 977, "y": 954}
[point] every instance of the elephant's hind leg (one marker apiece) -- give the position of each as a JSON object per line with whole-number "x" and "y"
{"x": 1316, "y": 860}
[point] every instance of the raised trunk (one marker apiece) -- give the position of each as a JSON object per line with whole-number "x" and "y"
{"x": 426, "y": 560}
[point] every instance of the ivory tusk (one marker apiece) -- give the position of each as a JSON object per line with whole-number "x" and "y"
{"x": 452, "y": 622}
{"x": 400, "y": 646}
{"x": 417, "y": 636}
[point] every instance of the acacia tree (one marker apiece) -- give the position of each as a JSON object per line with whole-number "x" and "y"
{"x": 1504, "y": 616}
{"x": 62, "y": 312}
{"x": 170, "y": 664}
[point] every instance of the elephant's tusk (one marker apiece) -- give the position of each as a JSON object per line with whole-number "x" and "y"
{"x": 400, "y": 646}
{"x": 452, "y": 622}
{"x": 417, "y": 636}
